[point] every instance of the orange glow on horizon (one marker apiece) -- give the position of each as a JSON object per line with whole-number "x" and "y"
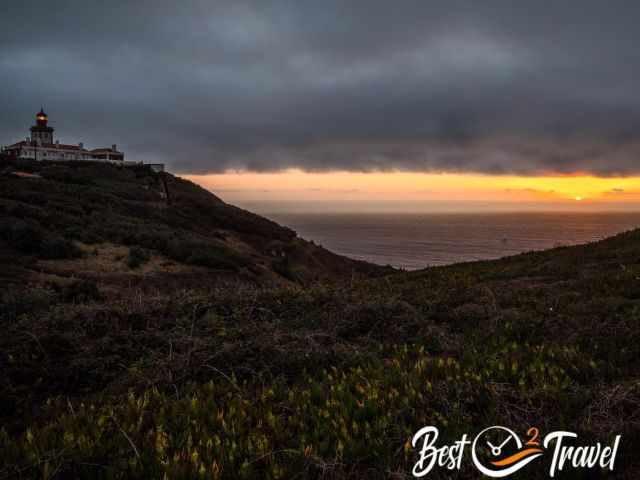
{"x": 420, "y": 188}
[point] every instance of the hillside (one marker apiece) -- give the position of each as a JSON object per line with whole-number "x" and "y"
{"x": 242, "y": 368}
{"x": 121, "y": 226}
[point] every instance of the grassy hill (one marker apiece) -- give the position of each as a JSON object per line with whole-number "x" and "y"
{"x": 126, "y": 354}
{"x": 81, "y": 210}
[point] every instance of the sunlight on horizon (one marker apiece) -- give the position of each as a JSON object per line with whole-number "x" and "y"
{"x": 410, "y": 191}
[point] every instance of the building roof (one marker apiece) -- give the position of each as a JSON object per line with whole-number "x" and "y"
{"x": 105, "y": 150}
{"x": 25, "y": 174}
{"x": 19, "y": 144}
{"x": 50, "y": 146}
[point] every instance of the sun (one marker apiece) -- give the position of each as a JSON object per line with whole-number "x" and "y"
{"x": 578, "y": 199}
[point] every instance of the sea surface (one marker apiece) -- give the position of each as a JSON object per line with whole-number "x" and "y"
{"x": 413, "y": 241}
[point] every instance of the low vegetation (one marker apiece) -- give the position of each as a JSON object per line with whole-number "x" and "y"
{"x": 137, "y": 257}
{"x": 63, "y": 204}
{"x": 121, "y": 376}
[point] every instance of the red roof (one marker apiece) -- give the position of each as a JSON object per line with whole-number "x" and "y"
{"x": 105, "y": 150}
{"x": 60, "y": 146}
{"x": 65, "y": 147}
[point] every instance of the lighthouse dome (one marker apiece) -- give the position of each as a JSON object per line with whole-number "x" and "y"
{"x": 41, "y": 118}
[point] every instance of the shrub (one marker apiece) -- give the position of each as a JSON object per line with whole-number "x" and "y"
{"x": 266, "y": 428}
{"x": 213, "y": 257}
{"x": 203, "y": 254}
{"x": 25, "y": 236}
{"x": 57, "y": 247}
{"x": 281, "y": 266}
{"x": 137, "y": 257}
{"x": 78, "y": 291}
{"x": 378, "y": 319}
{"x": 13, "y": 304}
{"x": 28, "y": 236}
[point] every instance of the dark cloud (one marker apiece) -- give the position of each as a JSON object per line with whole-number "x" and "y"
{"x": 619, "y": 192}
{"x": 494, "y": 86}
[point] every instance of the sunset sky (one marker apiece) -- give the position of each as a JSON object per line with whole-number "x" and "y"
{"x": 359, "y": 105}
{"x": 298, "y": 191}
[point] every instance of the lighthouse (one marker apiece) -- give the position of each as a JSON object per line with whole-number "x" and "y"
{"x": 42, "y": 147}
{"x": 41, "y": 133}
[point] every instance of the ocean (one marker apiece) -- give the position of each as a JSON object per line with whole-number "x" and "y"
{"x": 414, "y": 241}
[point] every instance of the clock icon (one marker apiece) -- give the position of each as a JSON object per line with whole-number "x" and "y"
{"x": 498, "y": 451}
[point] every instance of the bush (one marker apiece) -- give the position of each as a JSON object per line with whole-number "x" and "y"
{"x": 281, "y": 266}
{"x": 22, "y": 235}
{"x": 267, "y": 428}
{"x": 213, "y": 258}
{"x": 29, "y": 237}
{"x": 203, "y": 254}
{"x": 137, "y": 257}
{"x": 13, "y": 304}
{"x": 78, "y": 291}
{"x": 378, "y": 319}
{"x": 56, "y": 247}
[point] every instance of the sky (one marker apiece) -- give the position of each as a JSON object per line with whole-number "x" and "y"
{"x": 357, "y": 105}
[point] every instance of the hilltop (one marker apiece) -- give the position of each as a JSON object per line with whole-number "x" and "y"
{"x": 121, "y": 226}
{"x": 242, "y": 368}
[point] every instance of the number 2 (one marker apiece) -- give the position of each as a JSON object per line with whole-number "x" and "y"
{"x": 534, "y": 433}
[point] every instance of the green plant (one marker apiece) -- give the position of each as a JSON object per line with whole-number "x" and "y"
{"x": 137, "y": 256}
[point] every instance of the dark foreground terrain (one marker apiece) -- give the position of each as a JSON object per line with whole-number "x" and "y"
{"x": 150, "y": 330}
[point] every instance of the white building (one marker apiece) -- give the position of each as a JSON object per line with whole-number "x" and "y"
{"x": 40, "y": 146}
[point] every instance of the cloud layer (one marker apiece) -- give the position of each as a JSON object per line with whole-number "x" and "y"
{"x": 495, "y": 86}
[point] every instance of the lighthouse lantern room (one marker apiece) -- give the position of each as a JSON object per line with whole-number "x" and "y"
{"x": 41, "y": 133}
